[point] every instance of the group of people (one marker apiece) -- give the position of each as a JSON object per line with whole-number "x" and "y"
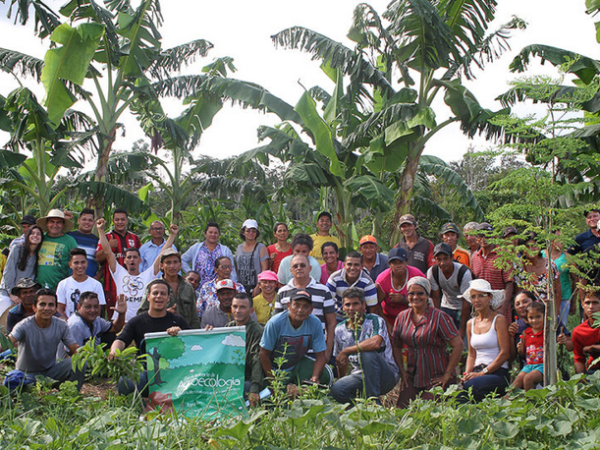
{"x": 360, "y": 325}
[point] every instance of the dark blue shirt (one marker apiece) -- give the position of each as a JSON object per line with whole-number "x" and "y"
{"x": 583, "y": 242}
{"x": 88, "y": 242}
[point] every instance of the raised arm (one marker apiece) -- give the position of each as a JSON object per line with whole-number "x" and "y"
{"x": 173, "y": 231}
{"x": 108, "y": 253}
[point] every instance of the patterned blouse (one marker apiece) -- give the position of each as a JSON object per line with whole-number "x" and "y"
{"x": 208, "y": 295}
{"x": 427, "y": 357}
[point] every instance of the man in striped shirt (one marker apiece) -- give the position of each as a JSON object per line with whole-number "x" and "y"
{"x": 363, "y": 345}
{"x": 351, "y": 275}
{"x": 322, "y": 302}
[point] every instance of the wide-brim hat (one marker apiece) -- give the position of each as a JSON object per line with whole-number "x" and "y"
{"x": 484, "y": 286}
{"x": 55, "y": 214}
{"x": 25, "y": 283}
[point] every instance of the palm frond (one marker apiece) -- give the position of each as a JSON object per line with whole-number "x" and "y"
{"x": 45, "y": 19}
{"x": 21, "y": 64}
{"x": 174, "y": 59}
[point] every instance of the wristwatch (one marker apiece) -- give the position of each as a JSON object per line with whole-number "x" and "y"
{"x": 485, "y": 371}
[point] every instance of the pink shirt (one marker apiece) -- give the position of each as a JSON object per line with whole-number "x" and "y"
{"x": 384, "y": 280}
{"x": 325, "y": 275}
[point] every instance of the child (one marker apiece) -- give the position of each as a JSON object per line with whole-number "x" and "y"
{"x": 586, "y": 338}
{"x": 532, "y": 346}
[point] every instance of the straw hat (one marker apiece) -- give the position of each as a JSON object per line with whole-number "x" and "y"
{"x": 55, "y": 214}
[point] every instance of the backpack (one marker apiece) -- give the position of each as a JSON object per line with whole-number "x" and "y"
{"x": 461, "y": 273}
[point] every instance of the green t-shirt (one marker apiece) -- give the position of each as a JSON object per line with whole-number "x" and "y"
{"x": 53, "y": 260}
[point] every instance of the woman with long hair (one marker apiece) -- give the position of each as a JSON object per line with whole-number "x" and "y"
{"x": 21, "y": 263}
{"x": 251, "y": 256}
{"x": 281, "y": 248}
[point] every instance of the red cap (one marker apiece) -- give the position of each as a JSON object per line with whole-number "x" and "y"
{"x": 366, "y": 239}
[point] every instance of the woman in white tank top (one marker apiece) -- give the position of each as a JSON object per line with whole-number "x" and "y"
{"x": 489, "y": 343}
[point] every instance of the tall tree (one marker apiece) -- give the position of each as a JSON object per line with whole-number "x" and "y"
{"x": 430, "y": 47}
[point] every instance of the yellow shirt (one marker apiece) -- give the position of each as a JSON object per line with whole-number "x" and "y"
{"x": 2, "y": 264}
{"x": 263, "y": 309}
{"x": 317, "y": 242}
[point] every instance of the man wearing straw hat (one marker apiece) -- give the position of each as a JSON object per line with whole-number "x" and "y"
{"x": 53, "y": 260}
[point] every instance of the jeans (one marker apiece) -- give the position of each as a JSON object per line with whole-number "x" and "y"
{"x": 377, "y": 378}
{"x": 455, "y": 314}
{"x": 62, "y": 371}
{"x": 565, "y": 306}
{"x": 126, "y": 386}
{"x": 491, "y": 383}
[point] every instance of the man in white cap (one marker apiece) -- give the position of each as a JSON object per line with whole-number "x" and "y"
{"x": 53, "y": 259}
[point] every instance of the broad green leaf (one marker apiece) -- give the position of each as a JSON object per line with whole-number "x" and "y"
{"x": 11, "y": 159}
{"x": 143, "y": 192}
{"x": 142, "y": 41}
{"x": 369, "y": 192}
{"x": 331, "y": 110}
{"x": 68, "y": 62}
{"x": 395, "y": 131}
{"x": 306, "y": 107}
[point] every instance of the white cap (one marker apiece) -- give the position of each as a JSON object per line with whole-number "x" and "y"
{"x": 250, "y": 223}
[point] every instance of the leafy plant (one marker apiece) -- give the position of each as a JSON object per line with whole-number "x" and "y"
{"x": 126, "y": 363}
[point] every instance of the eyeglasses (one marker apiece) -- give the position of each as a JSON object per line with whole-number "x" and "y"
{"x": 299, "y": 266}
{"x": 225, "y": 267}
{"x": 476, "y": 296}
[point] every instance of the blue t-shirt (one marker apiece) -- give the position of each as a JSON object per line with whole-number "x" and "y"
{"x": 279, "y": 332}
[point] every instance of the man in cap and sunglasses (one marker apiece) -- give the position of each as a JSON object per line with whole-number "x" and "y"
{"x": 53, "y": 259}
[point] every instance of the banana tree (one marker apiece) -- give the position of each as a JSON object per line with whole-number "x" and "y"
{"x": 118, "y": 49}
{"x": 431, "y": 47}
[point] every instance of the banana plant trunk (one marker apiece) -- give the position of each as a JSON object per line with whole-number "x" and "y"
{"x": 405, "y": 193}
{"x": 550, "y": 328}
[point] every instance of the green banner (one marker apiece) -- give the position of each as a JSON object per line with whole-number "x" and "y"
{"x": 201, "y": 371}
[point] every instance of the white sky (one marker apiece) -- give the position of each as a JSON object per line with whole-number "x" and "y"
{"x": 242, "y": 30}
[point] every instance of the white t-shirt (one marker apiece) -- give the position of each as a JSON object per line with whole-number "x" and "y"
{"x": 133, "y": 287}
{"x": 69, "y": 290}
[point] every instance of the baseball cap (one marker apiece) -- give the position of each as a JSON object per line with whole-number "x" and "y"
{"x": 250, "y": 223}
{"x": 301, "y": 295}
{"x": 509, "y": 230}
{"x": 408, "y": 218}
{"x": 28, "y": 219}
{"x": 325, "y": 213}
{"x": 442, "y": 248}
{"x": 226, "y": 284}
{"x": 397, "y": 253}
{"x": 449, "y": 227}
{"x": 484, "y": 226}
{"x": 367, "y": 239}
{"x": 169, "y": 252}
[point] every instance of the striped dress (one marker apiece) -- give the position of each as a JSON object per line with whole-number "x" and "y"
{"x": 426, "y": 342}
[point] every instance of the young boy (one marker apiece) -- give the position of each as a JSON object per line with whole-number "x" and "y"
{"x": 69, "y": 289}
{"x": 586, "y": 338}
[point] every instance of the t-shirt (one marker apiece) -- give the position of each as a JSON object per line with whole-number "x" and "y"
{"x": 563, "y": 274}
{"x": 53, "y": 260}
{"x": 338, "y": 283}
{"x": 322, "y": 301}
{"x": 318, "y": 241}
{"x": 263, "y": 309}
{"x": 279, "y": 332}
{"x": 130, "y": 240}
{"x": 69, "y": 291}
{"x": 462, "y": 256}
{"x": 133, "y": 287}
{"x": 38, "y": 346}
{"x": 584, "y": 335}
{"x": 88, "y": 242}
{"x": 421, "y": 255}
{"x": 381, "y": 263}
{"x": 449, "y": 286}
{"x": 372, "y": 325}
{"x": 325, "y": 275}
{"x": 384, "y": 280}
{"x": 141, "y": 324}
{"x": 534, "y": 346}
{"x": 272, "y": 249}
{"x": 284, "y": 274}
{"x": 248, "y": 264}
{"x": 81, "y": 331}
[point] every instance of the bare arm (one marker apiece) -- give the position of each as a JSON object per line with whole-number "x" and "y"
{"x": 437, "y": 298}
{"x": 472, "y": 352}
{"x": 116, "y": 345}
{"x": 318, "y": 367}
{"x": 173, "y": 232}
{"x": 266, "y": 263}
{"x": 121, "y": 309}
{"x": 330, "y": 323}
{"x": 108, "y": 254}
{"x": 61, "y": 307}
{"x": 464, "y": 317}
{"x": 73, "y": 348}
{"x": 265, "y": 362}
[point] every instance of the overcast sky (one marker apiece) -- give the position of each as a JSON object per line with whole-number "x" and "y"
{"x": 242, "y": 30}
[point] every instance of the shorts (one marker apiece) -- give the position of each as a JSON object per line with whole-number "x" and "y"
{"x": 531, "y": 367}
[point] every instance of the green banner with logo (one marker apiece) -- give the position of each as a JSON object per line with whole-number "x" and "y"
{"x": 200, "y": 371}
